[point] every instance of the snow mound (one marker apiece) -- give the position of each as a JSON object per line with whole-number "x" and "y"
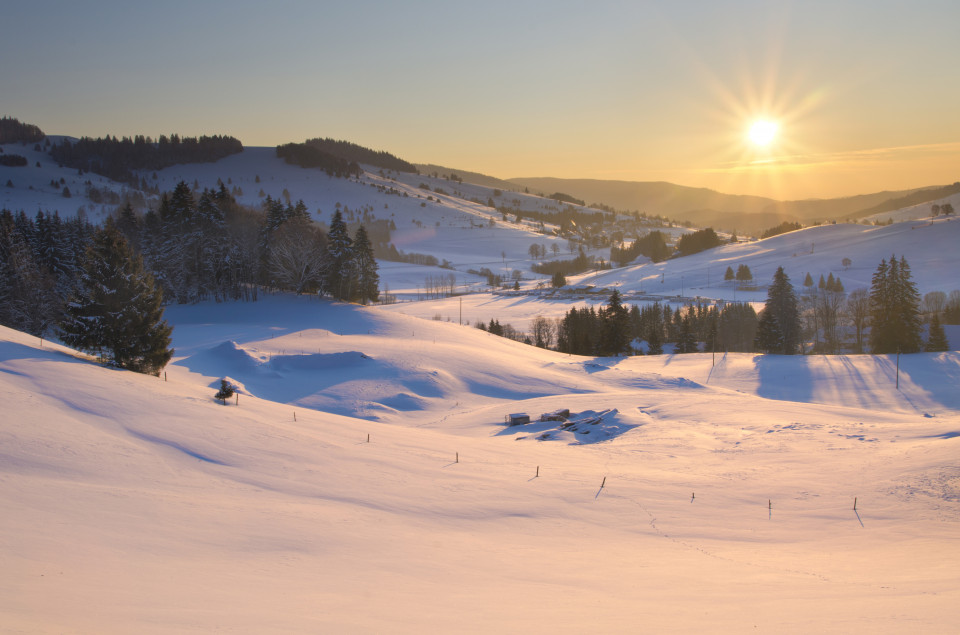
{"x": 349, "y": 383}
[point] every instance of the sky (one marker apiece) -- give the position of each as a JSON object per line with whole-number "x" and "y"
{"x": 863, "y": 94}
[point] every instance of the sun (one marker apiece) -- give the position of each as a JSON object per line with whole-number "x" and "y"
{"x": 762, "y": 132}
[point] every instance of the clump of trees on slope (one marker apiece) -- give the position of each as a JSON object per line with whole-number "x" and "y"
{"x": 117, "y": 159}
{"x": 57, "y": 276}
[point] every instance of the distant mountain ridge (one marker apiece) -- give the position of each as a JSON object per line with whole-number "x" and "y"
{"x": 704, "y": 207}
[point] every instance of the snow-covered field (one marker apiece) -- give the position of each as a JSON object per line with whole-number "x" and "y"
{"x": 690, "y": 496}
{"x": 364, "y": 480}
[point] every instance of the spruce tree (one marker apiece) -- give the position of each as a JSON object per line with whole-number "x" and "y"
{"x": 117, "y": 311}
{"x": 226, "y": 391}
{"x": 894, "y": 309}
{"x": 655, "y": 333}
{"x": 937, "y": 340}
{"x": 769, "y": 339}
{"x": 614, "y": 327}
{"x": 907, "y": 310}
{"x": 368, "y": 280}
{"x": 779, "y": 328}
{"x": 340, "y": 276}
{"x": 686, "y": 338}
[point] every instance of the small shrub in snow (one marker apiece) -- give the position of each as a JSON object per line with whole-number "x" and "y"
{"x": 226, "y": 391}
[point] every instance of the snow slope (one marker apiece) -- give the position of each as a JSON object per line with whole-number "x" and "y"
{"x": 457, "y": 226}
{"x": 718, "y": 498}
{"x": 928, "y": 245}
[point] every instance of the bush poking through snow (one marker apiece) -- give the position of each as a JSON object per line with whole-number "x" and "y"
{"x": 225, "y": 392}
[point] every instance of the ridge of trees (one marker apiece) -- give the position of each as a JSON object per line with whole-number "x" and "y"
{"x": 581, "y": 263}
{"x": 698, "y": 241}
{"x": 566, "y": 198}
{"x": 782, "y": 228}
{"x": 117, "y": 159}
{"x": 14, "y": 131}
{"x": 653, "y": 245}
{"x": 354, "y": 153}
{"x": 310, "y": 156}
{"x": 13, "y": 160}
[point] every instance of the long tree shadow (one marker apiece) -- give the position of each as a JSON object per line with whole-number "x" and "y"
{"x": 784, "y": 377}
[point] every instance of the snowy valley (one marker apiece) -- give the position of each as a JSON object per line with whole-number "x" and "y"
{"x": 364, "y": 479}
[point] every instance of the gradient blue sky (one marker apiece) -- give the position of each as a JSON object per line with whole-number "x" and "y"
{"x": 866, "y": 93}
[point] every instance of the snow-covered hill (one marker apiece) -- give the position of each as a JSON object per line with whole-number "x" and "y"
{"x": 718, "y": 498}
{"x": 450, "y": 220}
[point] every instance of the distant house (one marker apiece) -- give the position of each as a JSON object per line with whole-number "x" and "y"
{"x": 517, "y": 419}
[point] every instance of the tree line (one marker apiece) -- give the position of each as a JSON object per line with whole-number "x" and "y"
{"x": 308, "y": 156}
{"x": 117, "y": 159}
{"x": 890, "y": 313}
{"x": 354, "y": 153}
{"x": 56, "y": 276}
{"x": 653, "y": 245}
{"x": 14, "y": 131}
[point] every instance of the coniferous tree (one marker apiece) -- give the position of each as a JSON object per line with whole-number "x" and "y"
{"x": 117, "y": 311}
{"x": 686, "y": 338}
{"x": 368, "y": 280}
{"x": 737, "y": 328}
{"x": 340, "y": 276}
{"x": 226, "y": 391}
{"x": 655, "y": 334}
{"x": 769, "y": 337}
{"x": 937, "y": 340}
{"x": 907, "y": 309}
{"x": 778, "y": 330}
{"x": 614, "y": 327}
{"x": 894, "y": 309}
{"x": 728, "y": 274}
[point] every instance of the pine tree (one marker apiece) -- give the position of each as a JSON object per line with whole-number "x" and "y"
{"x": 340, "y": 276}
{"x": 368, "y": 280}
{"x": 769, "y": 337}
{"x": 778, "y": 330}
{"x": 686, "y": 338}
{"x": 226, "y": 391}
{"x": 614, "y": 327}
{"x": 728, "y": 274}
{"x": 118, "y": 310}
{"x": 655, "y": 335}
{"x": 894, "y": 309}
{"x": 937, "y": 340}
